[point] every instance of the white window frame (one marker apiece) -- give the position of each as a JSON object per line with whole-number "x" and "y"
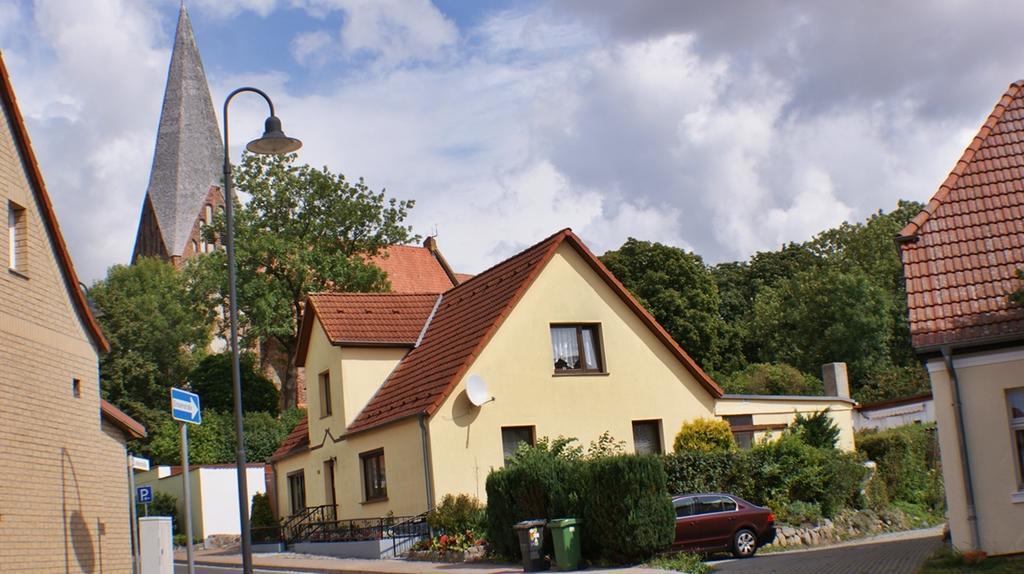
{"x": 1017, "y": 440}
{"x": 16, "y": 233}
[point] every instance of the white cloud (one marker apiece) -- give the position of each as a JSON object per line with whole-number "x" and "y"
{"x": 392, "y": 31}
{"x": 228, "y": 8}
{"x": 310, "y": 48}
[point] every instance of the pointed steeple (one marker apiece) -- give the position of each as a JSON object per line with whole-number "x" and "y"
{"x": 187, "y": 160}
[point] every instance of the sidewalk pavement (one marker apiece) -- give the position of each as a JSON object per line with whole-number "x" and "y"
{"x": 325, "y": 564}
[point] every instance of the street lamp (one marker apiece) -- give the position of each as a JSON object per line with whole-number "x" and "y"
{"x": 273, "y": 142}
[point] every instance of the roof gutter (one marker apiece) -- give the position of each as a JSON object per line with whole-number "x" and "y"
{"x": 427, "y": 475}
{"x": 965, "y": 460}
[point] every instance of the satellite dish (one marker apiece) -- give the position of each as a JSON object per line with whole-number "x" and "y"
{"x": 476, "y": 390}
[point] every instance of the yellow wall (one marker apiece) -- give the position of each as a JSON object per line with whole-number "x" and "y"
{"x": 984, "y": 379}
{"x": 403, "y": 463}
{"x": 782, "y": 410}
{"x": 356, "y": 373}
{"x": 644, "y": 381}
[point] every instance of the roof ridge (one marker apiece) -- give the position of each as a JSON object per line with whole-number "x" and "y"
{"x": 909, "y": 231}
{"x": 564, "y": 231}
{"x": 49, "y": 216}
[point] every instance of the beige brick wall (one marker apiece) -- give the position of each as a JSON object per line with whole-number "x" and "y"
{"x": 63, "y": 484}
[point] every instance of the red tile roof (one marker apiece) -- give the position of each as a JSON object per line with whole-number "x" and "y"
{"x": 413, "y": 269}
{"x": 47, "y": 214}
{"x": 961, "y": 253}
{"x": 464, "y": 323}
{"x": 297, "y": 441}
{"x": 366, "y": 319}
{"x": 131, "y": 427}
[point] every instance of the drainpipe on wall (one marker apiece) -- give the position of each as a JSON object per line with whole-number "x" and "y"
{"x": 428, "y": 483}
{"x": 965, "y": 460}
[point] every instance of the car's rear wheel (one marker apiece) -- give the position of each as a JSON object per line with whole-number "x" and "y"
{"x": 744, "y": 543}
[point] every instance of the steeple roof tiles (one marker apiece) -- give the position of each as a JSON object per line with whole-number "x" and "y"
{"x": 188, "y": 155}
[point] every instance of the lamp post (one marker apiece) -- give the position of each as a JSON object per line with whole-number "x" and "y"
{"x": 273, "y": 142}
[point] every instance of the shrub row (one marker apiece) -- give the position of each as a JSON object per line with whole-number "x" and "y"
{"x": 775, "y": 474}
{"x": 908, "y": 464}
{"x": 622, "y": 500}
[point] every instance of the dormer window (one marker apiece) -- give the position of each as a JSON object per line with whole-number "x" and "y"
{"x": 576, "y": 349}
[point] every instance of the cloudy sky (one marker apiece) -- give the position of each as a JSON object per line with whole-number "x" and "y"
{"x": 722, "y": 127}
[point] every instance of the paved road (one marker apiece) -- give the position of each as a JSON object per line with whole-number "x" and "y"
{"x": 200, "y": 569}
{"x": 895, "y": 557}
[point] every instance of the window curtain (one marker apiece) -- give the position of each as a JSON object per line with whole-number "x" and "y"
{"x": 590, "y": 349}
{"x": 565, "y": 347}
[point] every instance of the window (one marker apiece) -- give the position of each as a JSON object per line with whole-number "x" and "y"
{"x": 209, "y": 214}
{"x": 325, "y": 394}
{"x": 745, "y": 439}
{"x": 76, "y": 388}
{"x": 297, "y": 491}
{"x": 512, "y": 437}
{"x": 567, "y": 342}
{"x": 1016, "y": 400}
{"x": 17, "y": 238}
{"x": 709, "y": 504}
{"x": 375, "y": 484}
{"x": 685, "y": 507}
{"x": 647, "y": 437}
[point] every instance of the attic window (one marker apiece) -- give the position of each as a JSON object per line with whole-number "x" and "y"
{"x": 576, "y": 348}
{"x": 17, "y": 237}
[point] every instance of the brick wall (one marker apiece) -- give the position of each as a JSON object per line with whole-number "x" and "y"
{"x": 63, "y": 484}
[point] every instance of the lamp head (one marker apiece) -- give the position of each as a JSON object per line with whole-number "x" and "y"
{"x": 273, "y": 142}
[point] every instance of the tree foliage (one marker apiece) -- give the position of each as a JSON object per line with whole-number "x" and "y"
{"x": 677, "y": 288}
{"x": 771, "y": 379}
{"x": 704, "y": 435}
{"x": 211, "y": 379}
{"x": 156, "y": 325}
{"x": 213, "y": 441}
{"x": 817, "y": 429}
{"x": 303, "y": 230}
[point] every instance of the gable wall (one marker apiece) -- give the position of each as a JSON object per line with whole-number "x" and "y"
{"x": 644, "y": 380}
{"x": 63, "y": 478}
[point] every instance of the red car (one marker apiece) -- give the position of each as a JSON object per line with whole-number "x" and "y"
{"x": 710, "y": 522}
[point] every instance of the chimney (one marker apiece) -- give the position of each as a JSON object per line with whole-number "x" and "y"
{"x": 430, "y": 243}
{"x": 837, "y": 383}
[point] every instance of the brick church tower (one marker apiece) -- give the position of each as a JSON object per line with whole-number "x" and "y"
{"x": 184, "y": 183}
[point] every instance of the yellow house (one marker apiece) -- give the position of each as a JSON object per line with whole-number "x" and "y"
{"x": 556, "y": 345}
{"x": 961, "y": 257}
{"x": 64, "y": 500}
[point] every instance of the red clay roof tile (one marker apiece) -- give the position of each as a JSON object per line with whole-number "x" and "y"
{"x": 413, "y": 269}
{"x": 962, "y": 251}
{"x": 297, "y": 441}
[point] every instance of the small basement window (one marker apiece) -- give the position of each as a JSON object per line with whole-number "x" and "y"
{"x": 512, "y": 437}
{"x": 647, "y": 437}
{"x": 577, "y": 348}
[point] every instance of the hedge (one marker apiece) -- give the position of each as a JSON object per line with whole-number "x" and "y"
{"x": 907, "y": 463}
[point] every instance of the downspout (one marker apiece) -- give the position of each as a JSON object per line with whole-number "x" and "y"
{"x": 427, "y": 478}
{"x": 965, "y": 460}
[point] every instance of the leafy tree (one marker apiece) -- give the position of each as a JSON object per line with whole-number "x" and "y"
{"x": 156, "y": 326}
{"x": 303, "y": 230}
{"x": 771, "y": 379}
{"x": 262, "y": 513}
{"x": 211, "y": 379}
{"x": 823, "y": 316}
{"x": 704, "y": 435}
{"x": 677, "y": 288}
{"x": 817, "y": 429}
{"x": 213, "y": 442}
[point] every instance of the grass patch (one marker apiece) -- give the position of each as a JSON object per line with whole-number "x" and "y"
{"x": 949, "y": 561}
{"x": 681, "y": 562}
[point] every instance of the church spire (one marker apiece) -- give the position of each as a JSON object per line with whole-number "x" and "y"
{"x": 187, "y": 160}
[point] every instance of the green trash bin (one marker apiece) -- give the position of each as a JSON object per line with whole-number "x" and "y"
{"x": 565, "y": 533}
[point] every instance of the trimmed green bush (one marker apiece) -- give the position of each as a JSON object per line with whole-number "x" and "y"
{"x": 163, "y": 505}
{"x": 799, "y": 512}
{"x": 457, "y": 514}
{"x": 692, "y": 471}
{"x": 704, "y": 435}
{"x": 538, "y": 482}
{"x": 262, "y": 514}
{"x": 627, "y": 513}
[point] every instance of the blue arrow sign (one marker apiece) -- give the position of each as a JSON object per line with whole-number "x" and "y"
{"x": 185, "y": 406}
{"x": 144, "y": 494}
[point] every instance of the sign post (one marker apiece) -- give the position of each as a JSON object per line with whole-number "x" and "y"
{"x": 136, "y": 463}
{"x": 185, "y": 409}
